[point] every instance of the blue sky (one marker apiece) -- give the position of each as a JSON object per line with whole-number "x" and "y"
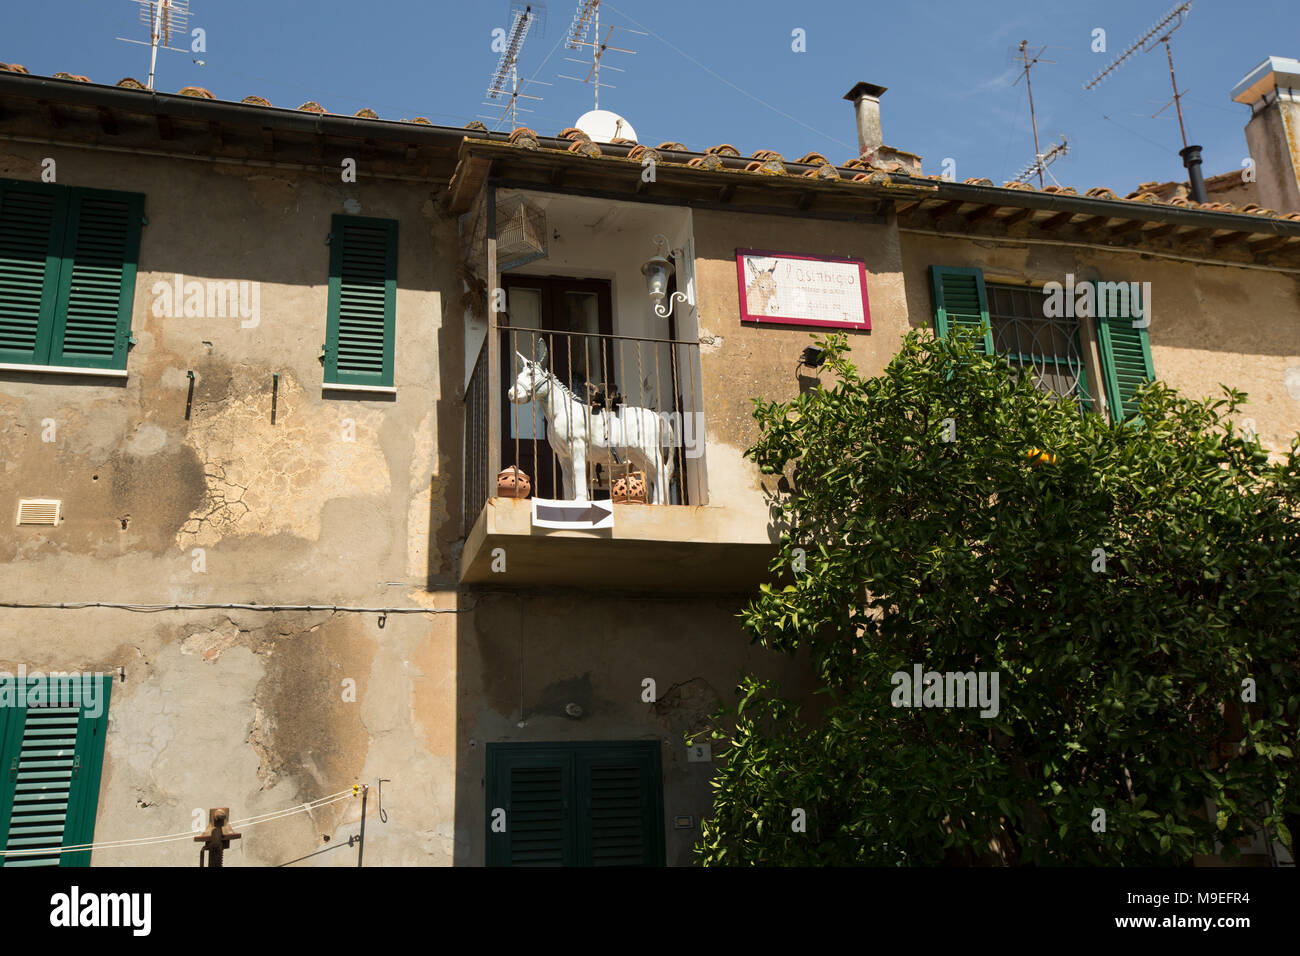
{"x": 713, "y": 72}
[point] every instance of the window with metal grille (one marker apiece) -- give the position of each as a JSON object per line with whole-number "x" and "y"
{"x": 1048, "y": 347}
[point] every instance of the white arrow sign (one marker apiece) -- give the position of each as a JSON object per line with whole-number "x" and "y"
{"x": 573, "y": 515}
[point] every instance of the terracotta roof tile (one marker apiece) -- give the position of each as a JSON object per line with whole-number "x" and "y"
{"x": 873, "y": 178}
{"x": 198, "y": 91}
{"x": 585, "y": 148}
{"x": 1101, "y": 192}
{"x": 1019, "y": 186}
{"x": 311, "y": 106}
{"x": 723, "y": 149}
{"x": 765, "y": 154}
{"x": 816, "y": 159}
{"x": 423, "y": 121}
{"x": 769, "y": 167}
{"x": 642, "y": 153}
{"x": 709, "y": 161}
{"x": 255, "y": 101}
{"x": 572, "y": 132}
{"x": 669, "y": 144}
{"x": 524, "y": 137}
{"x": 857, "y": 162}
{"x": 476, "y": 125}
{"x": 130, "y": 83}
{"x": 622, "y": 141}
{"x": 13, "y": 68}
{"x": 824, "y": 171}
{"x": 72, "y": 76}
{"x": 366, "y": 113}
{"x": 976, "y": 181}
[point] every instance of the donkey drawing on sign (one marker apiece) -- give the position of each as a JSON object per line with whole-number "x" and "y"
{"x": 578, "y": 433}
{"x": 760, "y": 287}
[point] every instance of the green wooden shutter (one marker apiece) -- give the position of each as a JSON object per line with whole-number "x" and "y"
{"x": 622, "y": 822}
{"x": 960, "y": 301}
{"x": 97, "y": 282}
{"x": 534, "y": 785}
{"x": 362, "y": 302}
{"x": 51, "y": 758}
{"x": 1125, "y": 363}
{"x": 31, "y": 254}
{"x": 576, "y": 804}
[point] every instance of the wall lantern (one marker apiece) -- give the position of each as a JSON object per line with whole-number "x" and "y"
{"x": 658, "y": 270}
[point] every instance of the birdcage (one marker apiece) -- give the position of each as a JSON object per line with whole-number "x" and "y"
{"x": 521, "y": 233}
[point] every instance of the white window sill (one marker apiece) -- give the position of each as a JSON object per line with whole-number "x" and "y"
{"x": 64, "y": 370}
{"x": 372, "y": 389}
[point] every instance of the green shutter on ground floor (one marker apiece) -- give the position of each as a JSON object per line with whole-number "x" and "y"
{"x": 51, "y": 757}
{"x": 575, "y": 804}
{"x": 960, "y": 301}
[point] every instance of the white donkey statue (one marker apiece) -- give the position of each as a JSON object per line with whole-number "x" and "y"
{"x": 577, "y": 432}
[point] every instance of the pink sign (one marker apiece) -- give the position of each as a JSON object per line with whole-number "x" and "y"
{"x": 782, "y": 288}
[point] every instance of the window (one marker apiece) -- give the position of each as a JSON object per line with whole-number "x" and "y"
{"x": 1050, "y": 347}
{"x": 575, "y": 804}
{"x": 67, "y": 274}
{"x": 51, "y": 753}
{"x": 362, "y": 303}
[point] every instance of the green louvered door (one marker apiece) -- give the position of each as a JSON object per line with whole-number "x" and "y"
{"x": 362, "y": 302}
{"x": 51, "y": 755}
{"x": 97, "y": 282}
{"x": 1125, "y": 362}
{"x": 575, "y": 804}
{"x": 31, "y": 249}
{"x": 960, "y": 301}
{"x": 619, "y": 789}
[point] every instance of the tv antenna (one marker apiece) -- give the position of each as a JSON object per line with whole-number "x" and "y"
{"x": 1160, "y": 33}
{"x": 587, "y": 19}
{"x": 161, "y": 18}
{"x": 1039, "y": 166}
{"x": 1027, "y": 60}
{"x": 523, "y": 17}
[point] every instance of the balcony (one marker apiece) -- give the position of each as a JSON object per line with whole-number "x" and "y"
{"x": 635, "y": 403}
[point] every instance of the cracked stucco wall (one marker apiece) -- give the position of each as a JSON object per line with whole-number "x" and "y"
{"x": 344, "y": 500}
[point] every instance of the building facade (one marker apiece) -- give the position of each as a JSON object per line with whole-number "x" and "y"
{"x": 256, "y": 373}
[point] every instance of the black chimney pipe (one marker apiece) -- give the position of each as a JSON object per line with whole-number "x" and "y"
{"x": 1192, "y": 160}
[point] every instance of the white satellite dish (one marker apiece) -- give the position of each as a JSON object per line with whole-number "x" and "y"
{"x": 603, "y": 126}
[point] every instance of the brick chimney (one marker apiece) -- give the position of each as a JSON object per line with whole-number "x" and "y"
{"x": 865, "y": 98}
{"x": 1272, "y": 91}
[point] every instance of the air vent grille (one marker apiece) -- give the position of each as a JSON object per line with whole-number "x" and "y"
{"x": 39, "y": 511}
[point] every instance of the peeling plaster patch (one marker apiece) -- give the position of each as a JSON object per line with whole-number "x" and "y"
{"x": 263, "y": 479}
{"x": 148, "y": 439}
{"x": 209, "y": 644}
{"x": 1292, "y": 381}
{"x": 709, "y": 342}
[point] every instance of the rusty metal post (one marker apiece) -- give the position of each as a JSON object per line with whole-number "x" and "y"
{"x": 361, "y": 850}
{"x": 216, "y": 838}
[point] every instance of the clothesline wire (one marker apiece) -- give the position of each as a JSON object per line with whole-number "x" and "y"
{"x": 188, "y": 834}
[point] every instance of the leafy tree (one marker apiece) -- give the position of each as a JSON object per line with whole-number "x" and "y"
{"x": 1122, "y": 671}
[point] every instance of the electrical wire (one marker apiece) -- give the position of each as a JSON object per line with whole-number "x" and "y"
{"x": 155, "y": 608}
{"x": 723, "y": 79}
{"x": 188, "y": 834}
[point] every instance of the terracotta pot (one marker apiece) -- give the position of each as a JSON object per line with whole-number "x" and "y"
{"x": 629, "y": 489}
{"x": 513, "y": 482}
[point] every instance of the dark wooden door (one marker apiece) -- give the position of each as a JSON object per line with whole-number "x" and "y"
{"x": 569, "y": 316}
